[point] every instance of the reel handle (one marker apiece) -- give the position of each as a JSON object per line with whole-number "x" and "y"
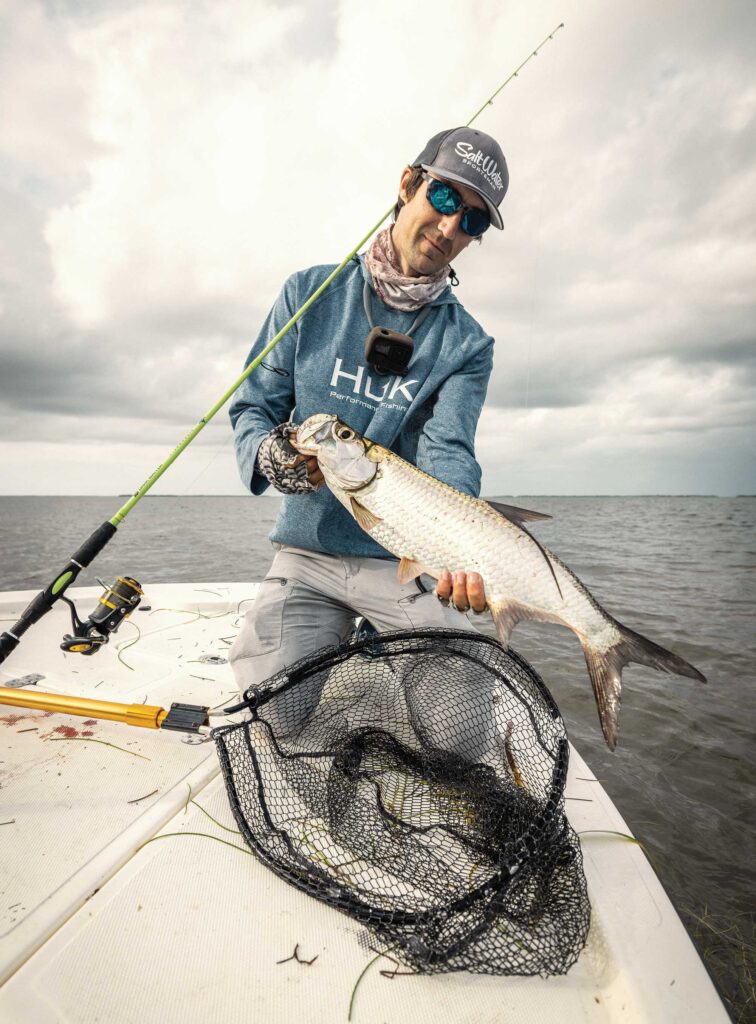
{"x": 46, "y": 598}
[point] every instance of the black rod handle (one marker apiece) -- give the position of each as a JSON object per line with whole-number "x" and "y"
{"x": 46, "y": 598}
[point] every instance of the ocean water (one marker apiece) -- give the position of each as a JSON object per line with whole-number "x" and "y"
{"x": 677, "y": 569}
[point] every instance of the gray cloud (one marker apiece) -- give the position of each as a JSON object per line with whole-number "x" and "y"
{"x": 152, "y": 208}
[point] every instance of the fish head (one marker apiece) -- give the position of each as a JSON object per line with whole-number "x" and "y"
{"x": 343, "y": 455}
{"x": 312, "y": 432}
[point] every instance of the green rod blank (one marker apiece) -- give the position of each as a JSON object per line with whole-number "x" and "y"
{"x": 515, "y": 73}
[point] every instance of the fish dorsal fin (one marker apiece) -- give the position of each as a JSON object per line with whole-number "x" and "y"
{"x": 516, "y": 515}
{"x": 545, "y": 554}
{"x": 519, "y": 516}
{"x": 409, "y": 569}
{"x": 364, "y": 516}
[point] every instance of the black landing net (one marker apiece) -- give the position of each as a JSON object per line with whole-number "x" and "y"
{"x": 415, "y": 781}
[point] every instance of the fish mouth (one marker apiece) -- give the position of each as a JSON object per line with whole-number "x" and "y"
{"x": 312, "y": 433}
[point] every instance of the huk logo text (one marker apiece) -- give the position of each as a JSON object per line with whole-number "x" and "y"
{"x": 362, "y": 384}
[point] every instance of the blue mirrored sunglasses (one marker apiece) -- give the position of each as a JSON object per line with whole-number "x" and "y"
{"x": 445, "y": 199}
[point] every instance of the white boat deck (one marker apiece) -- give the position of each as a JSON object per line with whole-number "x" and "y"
{"x": 97, "y": 927}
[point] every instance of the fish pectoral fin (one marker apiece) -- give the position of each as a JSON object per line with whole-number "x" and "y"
{"x": 409, "y": 569}
{"x": 516, "y": 515}
{"x": 367, "y": 519}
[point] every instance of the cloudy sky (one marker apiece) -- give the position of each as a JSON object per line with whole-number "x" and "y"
{"x": 165, "y": 164}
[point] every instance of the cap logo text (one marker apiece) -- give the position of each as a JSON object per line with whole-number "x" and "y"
{"x": 485, "y": 165}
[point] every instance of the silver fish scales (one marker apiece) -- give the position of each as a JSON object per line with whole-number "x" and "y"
{"x": 430, "y": 526}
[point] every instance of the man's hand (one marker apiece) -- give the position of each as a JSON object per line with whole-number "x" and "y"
{"x": 314, "y": 476}
{"x": 289, "y": 471}
{"x": 464, "y": 590}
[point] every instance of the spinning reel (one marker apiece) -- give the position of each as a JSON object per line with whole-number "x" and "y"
{"x": 116, "y": 604}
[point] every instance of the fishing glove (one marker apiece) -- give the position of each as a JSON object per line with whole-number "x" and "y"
{"x": 275, "y": 461}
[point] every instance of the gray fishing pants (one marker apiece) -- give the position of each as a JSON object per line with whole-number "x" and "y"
{"x": 310, "y": 600}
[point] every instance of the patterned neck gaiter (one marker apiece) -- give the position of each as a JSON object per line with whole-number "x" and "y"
{"x": 396, "y": 290}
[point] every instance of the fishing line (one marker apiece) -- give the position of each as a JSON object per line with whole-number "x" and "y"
{"x": 536, "y": 261}
{"x": 219, "y": 448}
{"x": 97, "y": 637}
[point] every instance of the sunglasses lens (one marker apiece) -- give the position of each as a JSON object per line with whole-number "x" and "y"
{"x": 475, "y": 222}
{"x": 445, "y": 199}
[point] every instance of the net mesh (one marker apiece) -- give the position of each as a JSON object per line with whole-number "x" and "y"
{"x": 415, "y": 781}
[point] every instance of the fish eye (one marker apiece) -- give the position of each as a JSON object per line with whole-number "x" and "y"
{"x": 344, "y": 433}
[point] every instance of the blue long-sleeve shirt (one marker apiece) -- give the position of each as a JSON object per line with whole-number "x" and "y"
{"x": 428, "y": 417}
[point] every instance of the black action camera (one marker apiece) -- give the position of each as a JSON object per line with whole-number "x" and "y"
{"x": 388, "y": 351}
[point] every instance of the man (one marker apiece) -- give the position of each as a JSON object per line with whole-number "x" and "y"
{"x": 327, "y": 570}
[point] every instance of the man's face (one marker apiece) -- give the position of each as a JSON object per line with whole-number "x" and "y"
{"x": 424, "y": 239}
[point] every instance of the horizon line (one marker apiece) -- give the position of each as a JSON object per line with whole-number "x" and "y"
{"x": 510, "y": 494}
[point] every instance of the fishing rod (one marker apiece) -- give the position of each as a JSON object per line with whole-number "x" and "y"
{"x": 118, "y": 601}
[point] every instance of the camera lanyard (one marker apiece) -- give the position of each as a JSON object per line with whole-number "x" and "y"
{"x": 389, "y": 351}
{"x": 367, "y": 301}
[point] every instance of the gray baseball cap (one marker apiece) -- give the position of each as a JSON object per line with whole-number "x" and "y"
{"x": 471, "y": 158}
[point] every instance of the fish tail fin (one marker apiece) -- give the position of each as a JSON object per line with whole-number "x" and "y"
{"x": 605, "y": 670}
{"x": 646, "y": 652}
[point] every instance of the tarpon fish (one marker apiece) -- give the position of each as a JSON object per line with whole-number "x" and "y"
{"x": 431, "y": 526}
